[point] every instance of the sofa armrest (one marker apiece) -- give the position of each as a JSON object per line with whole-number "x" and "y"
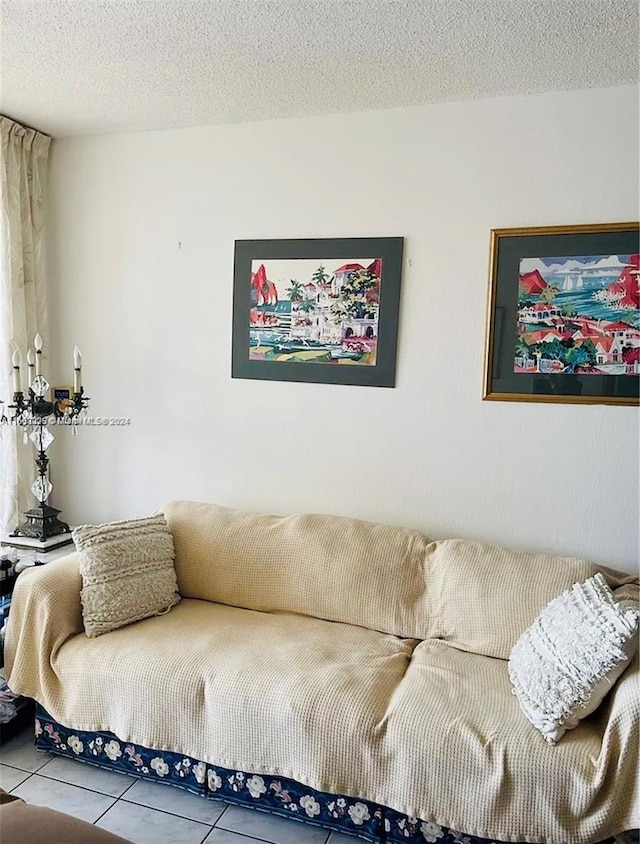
{"x": 618, "y": 758}
{"x": 45, "y": 613}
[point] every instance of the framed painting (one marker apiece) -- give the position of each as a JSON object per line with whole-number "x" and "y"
{"x": 320, "y": 310}
{"x": 62, "y": 398}
{"x": 563, "y": 321}
{"x": 60, "y": 393}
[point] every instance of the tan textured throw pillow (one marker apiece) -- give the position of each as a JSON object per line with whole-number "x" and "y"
{"x": 127, "y": 572}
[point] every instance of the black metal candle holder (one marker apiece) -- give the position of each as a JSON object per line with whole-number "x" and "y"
{"x": 41, "y": 522}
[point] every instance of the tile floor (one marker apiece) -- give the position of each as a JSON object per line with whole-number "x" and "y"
{"x": 142, "y": 812}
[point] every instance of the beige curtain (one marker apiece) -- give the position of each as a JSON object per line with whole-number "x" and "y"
{"x": 23, "y": 169}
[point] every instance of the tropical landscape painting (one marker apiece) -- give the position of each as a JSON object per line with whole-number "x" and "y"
{"x": 579, "y": 315}
{"x": 315, "y": 311}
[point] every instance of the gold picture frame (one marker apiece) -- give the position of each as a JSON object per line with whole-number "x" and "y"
{"x": 563, "y": 315}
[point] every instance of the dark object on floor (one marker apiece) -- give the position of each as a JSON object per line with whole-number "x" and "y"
{"x": 15, "y": 713}
{"x": 7, "y": 704}
{"x": 24, "y": 824}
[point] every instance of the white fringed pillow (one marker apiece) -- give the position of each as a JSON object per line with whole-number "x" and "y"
{"x": 562, "y": 667}
{"x": 127, "y": 572}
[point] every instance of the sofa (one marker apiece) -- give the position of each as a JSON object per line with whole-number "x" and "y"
{"x": 338, "y": 672}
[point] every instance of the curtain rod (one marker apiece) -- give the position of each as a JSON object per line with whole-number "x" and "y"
{"x": 25, "y": 125}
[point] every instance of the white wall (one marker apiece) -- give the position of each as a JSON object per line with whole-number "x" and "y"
{"x": 154, "y": 321}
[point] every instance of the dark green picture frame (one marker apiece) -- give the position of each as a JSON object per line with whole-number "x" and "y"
{"x": 388, "y": 250}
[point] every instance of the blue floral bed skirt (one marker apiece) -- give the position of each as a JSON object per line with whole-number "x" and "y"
{"x": 269, "y": 793}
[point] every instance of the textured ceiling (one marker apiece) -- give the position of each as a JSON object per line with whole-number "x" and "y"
{"x": 93, "y": 66}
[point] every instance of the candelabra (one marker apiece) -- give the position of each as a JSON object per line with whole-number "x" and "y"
{"x": 34, "y": 410}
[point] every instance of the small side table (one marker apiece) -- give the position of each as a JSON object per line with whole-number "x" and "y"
{"x": 41, "y": 552}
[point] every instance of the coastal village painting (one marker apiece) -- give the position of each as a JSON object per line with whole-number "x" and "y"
{"x": 315, "y": 311}
{"x": 579, "y": 315}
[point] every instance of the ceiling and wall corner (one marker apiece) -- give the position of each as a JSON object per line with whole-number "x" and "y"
{"x": 76, "y": 67}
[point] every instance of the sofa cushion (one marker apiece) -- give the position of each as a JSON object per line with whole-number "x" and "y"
{"x": 286, "y": 693}
{"x": 568, "y": 660}
{"x": 454, "y": 728}
{"x": 329, "y": 567}
{"x": 127, "y": 572}
{"x": 483, "y": 597}
{"x": 478, "y": 597}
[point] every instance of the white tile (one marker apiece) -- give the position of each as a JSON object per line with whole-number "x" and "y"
{"x": 87, "y": 776}
{"x": 20, "y": 752}
{"x": 270, "y": 828}
{"x": 223, "y": 836}
{"x": 148, "y": 826}
{"x": 11, "y": 777}
{"x": 168, "y": 798}
{"x": 79, "y": 802}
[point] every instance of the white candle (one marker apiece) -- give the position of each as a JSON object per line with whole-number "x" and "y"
{"x": 16, "y": 360}
{"x": 30, "y": 363}
{"x": 37, "y": 342}
{"x": 77, "y": 370}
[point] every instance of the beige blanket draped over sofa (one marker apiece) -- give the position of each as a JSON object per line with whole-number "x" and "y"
{"x": 355, "y": 658}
